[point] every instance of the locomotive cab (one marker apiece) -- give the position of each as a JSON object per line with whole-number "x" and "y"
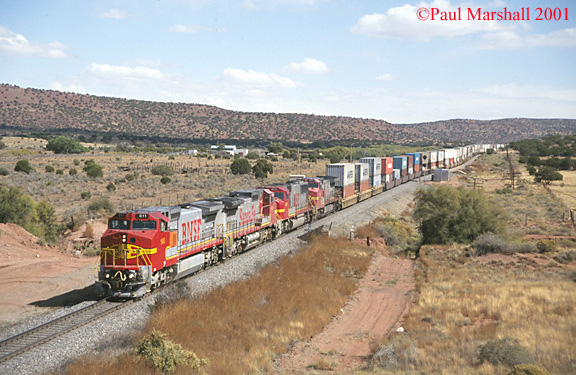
{"x": 129, "y": 248}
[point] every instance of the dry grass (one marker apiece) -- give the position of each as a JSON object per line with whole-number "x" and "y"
{"x": 211, "y": 178}
{"x": 242, "y": 327}
{"x": 464, "y": 303}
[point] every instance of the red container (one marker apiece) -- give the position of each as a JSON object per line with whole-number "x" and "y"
{"x": 387, "y": 165}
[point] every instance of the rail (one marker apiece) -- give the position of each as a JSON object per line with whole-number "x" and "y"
{"x": 37, "y": 336}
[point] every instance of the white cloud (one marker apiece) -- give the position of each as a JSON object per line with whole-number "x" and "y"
{"x": 513, "y": 39}
{"x": 116, "y": 72}
{"x": 385, "y": 77}
{"x": 257, "y": 79}
{"x": 16, "y": 44}
{"x": 115, "y": 14}
{"x": 310, "y": 66}
{"x": 515, "y": 91}
{"x": 403, "y": 23}
{"x": 187, "y": 29}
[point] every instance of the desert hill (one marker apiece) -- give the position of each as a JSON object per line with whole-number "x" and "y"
{"x": 47, "y": 110}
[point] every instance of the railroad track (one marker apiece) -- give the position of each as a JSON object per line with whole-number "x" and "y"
{"x": 37, "y": 336}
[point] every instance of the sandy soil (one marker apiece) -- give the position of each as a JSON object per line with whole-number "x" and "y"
{"x": 376, "y": 310}
{"x": 36, "y": 278}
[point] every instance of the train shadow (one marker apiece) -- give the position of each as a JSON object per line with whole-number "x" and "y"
{"x": 71, "y": 298}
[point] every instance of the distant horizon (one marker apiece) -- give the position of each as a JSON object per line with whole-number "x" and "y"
{"x": 287, "y": 113}
{"x": 401, "y": 61}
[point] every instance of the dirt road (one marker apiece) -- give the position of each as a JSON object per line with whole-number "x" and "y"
{"x": 376, "y": 310}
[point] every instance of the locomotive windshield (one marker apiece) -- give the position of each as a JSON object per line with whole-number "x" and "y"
{"x": 143, "y": 225}
{"x": 119, "y": 224}
{"x": 313, "y": 185}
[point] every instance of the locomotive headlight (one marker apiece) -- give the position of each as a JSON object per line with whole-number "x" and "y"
{"x": 107, "y": 274}
{"x": 131, "y": 275}
{"x": 123, "y": 238}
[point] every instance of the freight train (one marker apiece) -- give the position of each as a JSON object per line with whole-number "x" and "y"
{"x": 145, "y": 248}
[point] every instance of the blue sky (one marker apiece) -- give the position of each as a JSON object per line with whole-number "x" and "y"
{"x": 359, "y": 58}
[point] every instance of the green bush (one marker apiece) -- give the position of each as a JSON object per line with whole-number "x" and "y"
{"x": 240, "y": 166}
{"x": 164, "y": 180}
{"x": 37, "y": 218}
{"x": 162, "y": 170}
{"x": 49, "y": 169}
{"x": 65, "y": 145}
{"x": 262, "y": 168}
{"x": 86, "y": 195}
{"x": 505, "y": 351}
{"x": 527, "y": 370}
{"x": 111, "y": 187}
{"x": 92, "y": 169}
{"x": 4, "y": 171}
{"x": 456, "y": 215}
{"x": 164, "y": 355}
{"x": 73, "y": 171}
{"x": 24, "y": 166}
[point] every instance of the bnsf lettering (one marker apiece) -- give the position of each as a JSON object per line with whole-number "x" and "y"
{"x": 296, "y": 199}
{"x": 191, "y": 231}
{"x": 350, "y": 174}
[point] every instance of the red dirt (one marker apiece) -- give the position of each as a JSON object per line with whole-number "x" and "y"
{"x": 376, "y": 310}
{"x": 35, "y": 278}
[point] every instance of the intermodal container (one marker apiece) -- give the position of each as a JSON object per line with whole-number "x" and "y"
{"x": 417, "y": 161}
{"x": 344, "y": 174}
{"x": 375, "y": 170}
{"x": 387, "y": 165}
{"x": 440, "y": 163}
{"x": 401, "y": 163}
{"x": 362, "y": 177}
{"x": 410, "y": 164}
{"x": 433, "y": 159}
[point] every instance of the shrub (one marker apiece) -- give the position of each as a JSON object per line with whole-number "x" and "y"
{"x": 4, "y": 171}
{"x": 49, "y": 169}
{"x": 24, "y": 166}
{"x": 101, "y": 206}
{"x": 92, "y": 169}
{"x": 546, "y": 246}
{"x": 162, "y": 170}
{"x": 65, "y": 145}
{"x": 565, "y": 257}
{"x": 527, "y": 370}
{"x": 490, "y": 243}
{"x": 505, "y": 351}
{"x": 240, "y": 166}
{"x": 262, "y": 168}
{"x": 59, "y": 172}
{"x": 164, "y": 180}
{"x": 73, "y": 171}
{"x": 447, "y": 214}
{"x": 111, "y": 187}
{"x": 547, "y": 175}
{"x": 86, "y": 195}
{"x": 166, "y": 356}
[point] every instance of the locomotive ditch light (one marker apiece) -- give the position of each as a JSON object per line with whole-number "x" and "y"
{"x": 131, "y": 274}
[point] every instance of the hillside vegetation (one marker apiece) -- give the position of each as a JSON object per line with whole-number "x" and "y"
{"x": 48, "y": 110}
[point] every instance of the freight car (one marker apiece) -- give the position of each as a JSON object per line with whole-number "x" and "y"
{"x": 145, "y": 248}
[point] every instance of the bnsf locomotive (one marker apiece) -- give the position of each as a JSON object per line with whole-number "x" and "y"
{"x": 146, "y": 248}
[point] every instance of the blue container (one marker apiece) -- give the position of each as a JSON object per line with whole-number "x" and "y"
{"x": 416, "y": 156}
